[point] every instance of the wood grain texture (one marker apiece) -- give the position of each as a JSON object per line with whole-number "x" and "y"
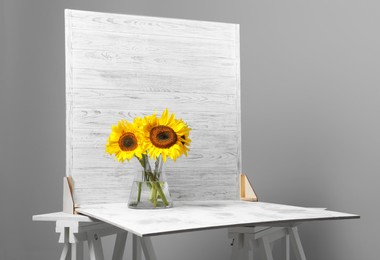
{"x": 122, "y": 66}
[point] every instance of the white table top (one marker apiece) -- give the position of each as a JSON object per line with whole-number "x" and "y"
{"x": 199, "y": 215}
{"x": 56, "y": 216}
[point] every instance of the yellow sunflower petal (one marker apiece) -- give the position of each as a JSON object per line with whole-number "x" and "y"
{"x": 166, "y": 136}
{"x": 125, "y": 141}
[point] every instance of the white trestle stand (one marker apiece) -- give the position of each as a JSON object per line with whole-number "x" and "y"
{"x": 76, "y": 229}
{"x": 122, "y": 66}
{"x": 246, "y": 239}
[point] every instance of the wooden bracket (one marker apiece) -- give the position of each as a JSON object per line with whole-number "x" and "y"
{"x": 247, "y": 192}
{"x": 68, "y": 200}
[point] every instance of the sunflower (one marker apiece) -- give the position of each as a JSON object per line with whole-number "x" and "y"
{"x": 166, "y": 136}
{"x": 125, "y": 140}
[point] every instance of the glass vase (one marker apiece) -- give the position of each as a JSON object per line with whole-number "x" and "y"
{"x": 150, "y": 189}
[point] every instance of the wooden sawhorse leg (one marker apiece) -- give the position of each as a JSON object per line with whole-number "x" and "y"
{"x": 72, "y": 251}
{"x": 142, "y": 244}
{"x": 136, "y": 247}
{"x": 296, "y": 243}
{"x": 120, "y": 242}
{"x": 74, "y": 233}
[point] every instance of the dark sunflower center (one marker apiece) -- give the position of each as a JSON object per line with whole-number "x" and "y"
{"x": 128, "y": 142}
{"x": 163, "y": 136}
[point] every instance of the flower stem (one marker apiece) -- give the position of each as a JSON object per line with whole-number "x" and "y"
{"x": 159, "y": 189}
{"x": 156, "y": 187}
{"x": 139, "y": 191}
{"x": 154, "y": 191}
{"x": 152, "y": 180}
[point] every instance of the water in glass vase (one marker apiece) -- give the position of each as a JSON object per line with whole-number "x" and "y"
{"x": 150, "y": 189}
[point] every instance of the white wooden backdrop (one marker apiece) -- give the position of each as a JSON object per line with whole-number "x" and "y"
{"x": 121, "y": 66}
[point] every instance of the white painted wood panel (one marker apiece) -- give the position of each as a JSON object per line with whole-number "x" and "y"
{"x": 114, "y": 99}
{"x": 122, "y": 66}
{"x": 153, "y": 82}
{"x": 141, "y": 44}
{"x": 151, "y": 26}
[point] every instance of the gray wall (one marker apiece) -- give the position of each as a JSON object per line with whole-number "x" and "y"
{"x": 310, "y": 104}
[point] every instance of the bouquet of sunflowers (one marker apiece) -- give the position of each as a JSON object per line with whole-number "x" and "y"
{"x": 150, "y": 138}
